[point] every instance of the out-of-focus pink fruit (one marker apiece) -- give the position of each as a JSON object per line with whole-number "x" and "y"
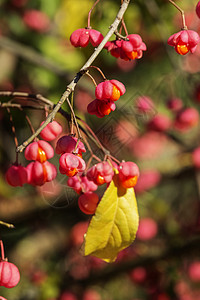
{"x": 196, "y": 157}
{"x": 147, "y": 229}
{"x": 186, "y": 119}
{"x": 147, "y": 180}
{"x": 138, "y": 275}
{"x": 91, "y": 295}
{"x": 144, "y": 104}
{"x": 148, "y": 145}
{"x": 194, "y": 271}
{"x": 160, "y": 123}
{"x": 77, "y": 233}
{"x": 68, "y": 296}
{"x": 16, "y": 175}
{"x": 174, "y": 104}
{"x": 198, "y": 9}
{"x": 36, "y": 20}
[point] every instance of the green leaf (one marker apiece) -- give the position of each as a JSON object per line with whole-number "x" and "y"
{"x": 114, "y": 225}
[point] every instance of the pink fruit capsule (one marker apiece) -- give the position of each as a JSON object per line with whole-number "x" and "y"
{"x": 39, "y": 173}
{"x": 88, "y": 203}
{"x": 184, "y": 41}
{"x": 128, "y": 174}
{"x": 40, "y": 151}
{"x": 67, "y": 144}
{"x": 101, "y": 173}
{"x": 109, "y": 90}
{"x": 16, "y": 175}
{"x": 9, "y": 274}
{"x": 71, "y": 164}
{"x": 51, "y": 131}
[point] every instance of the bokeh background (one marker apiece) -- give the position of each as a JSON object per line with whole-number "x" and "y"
{"x": 36, "y": 57}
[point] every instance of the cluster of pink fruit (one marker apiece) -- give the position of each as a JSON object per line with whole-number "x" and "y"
{"x": 40, "y": 170}
{"x": 182, "y": 119}
{"x": 97, "y": 175}
{"x": 106, "y": 92}
{"x": 9, "y": 273}
{"x": 71, "y": 164}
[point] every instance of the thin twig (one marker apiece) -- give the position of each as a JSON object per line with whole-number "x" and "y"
{"x": 12, "y": 127}
{"x": 28, "y": 121}
{"x": 91, "y": 77}
{"x": 72, "y": 118}
{"x": 95, "y": 140}
{"x": 182, "y": 14}
{"x": 7, "y": 224}
{"x": 100, "y": 71}
{"x": 2, "y": 251}
{"x": 89, "y": 14}
{"x": 37, "y": 97}
{"x": 82, "y": 71}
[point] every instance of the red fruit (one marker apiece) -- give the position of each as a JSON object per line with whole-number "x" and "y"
{"x": 95, "y": 37}
{"x": 91, "y": 295}
{"x": 198, "y": 9}
{"x": 147, "y": 180}
{"x": 109, "y": 90}
{"x": 127, "y": 50}
{"x": 101, "y": 173}
{"x": 196, "y": 157}
{"x": 134, "y": 47}
{"x": 100, "y": 108}
{"x": 36, "y": 20}
{"x": 39, "y": 173}
{"x": 81, "y": 184}
{"x": 51, "y": 131}
{"x": 184, "y": 41}
{"x": 67, "y": 144}
{"x": 40, "y": 151}
{"x": 88, "y": 203}
{"x": 194, "y": 271}
{"x": 138, "y": 275}
{"x": 160, "y": 123}
{"x": 2, "y": 298}
{"x": 16, "y": 175}
{"x": 9, "y": 274}
{"x": 175, "y": 104}
{"x": 82, "y": 36}
{"x": 128, "y": 174}
{"x": 186, "y": 119}
{"x": 71, "y": 164}
{"x": 147, "y": 229}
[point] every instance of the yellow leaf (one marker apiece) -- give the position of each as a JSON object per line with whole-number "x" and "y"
{"x": 114, "y": 225}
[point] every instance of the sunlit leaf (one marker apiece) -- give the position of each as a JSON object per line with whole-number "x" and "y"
{"x": 114, "y": 225}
